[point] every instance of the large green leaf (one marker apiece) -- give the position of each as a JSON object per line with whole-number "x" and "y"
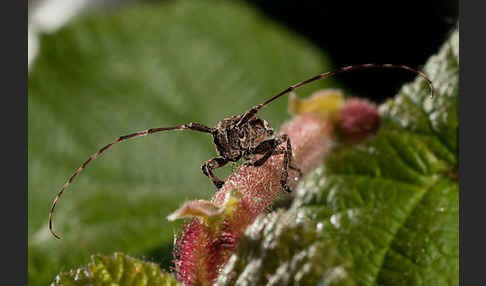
{"x": 131, "y": 69}
{"x": 118, "y": 269}
{"x": 389, "y": 207}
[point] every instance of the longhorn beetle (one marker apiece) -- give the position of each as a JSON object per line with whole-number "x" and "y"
{"x": 240, "y": 136}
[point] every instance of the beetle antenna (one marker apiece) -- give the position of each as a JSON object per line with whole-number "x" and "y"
{"x": 349, "y": 68}
{"x": 192, "y": 126}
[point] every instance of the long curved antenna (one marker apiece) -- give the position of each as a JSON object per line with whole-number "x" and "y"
{"x": 192, "y": 126}
{"x": 250, "y": 113}
{"x": 349, "y": 68}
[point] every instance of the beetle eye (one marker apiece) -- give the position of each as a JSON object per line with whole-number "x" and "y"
{"x": 242, "y": 135}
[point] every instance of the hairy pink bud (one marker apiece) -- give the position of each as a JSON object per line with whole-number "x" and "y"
{"x": 358, "y": 119}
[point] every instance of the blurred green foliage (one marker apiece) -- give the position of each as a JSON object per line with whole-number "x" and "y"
{"x": 118, "y": 269}
{"x": 139, "y": 67}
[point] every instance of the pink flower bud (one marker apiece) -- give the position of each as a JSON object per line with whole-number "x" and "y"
{"x": 358, "y": 119}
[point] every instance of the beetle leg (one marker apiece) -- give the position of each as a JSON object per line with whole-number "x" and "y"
{"x": 275, "y": 147}
{"x": 208, "y": 166}
{"x": 287, "y": 162}
{"x": 295, "y": 168}
{"x": 267, "y": 148}
{"x": 262, "y": 160}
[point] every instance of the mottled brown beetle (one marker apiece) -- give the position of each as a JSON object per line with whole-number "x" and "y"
{"x": 239, "y": 136}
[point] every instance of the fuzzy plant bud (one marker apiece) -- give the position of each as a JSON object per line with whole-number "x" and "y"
{"x": 358, "y": 119}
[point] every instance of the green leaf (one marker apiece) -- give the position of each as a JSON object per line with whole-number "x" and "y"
{"x": 118, "y": 269}
{"x": 389, "y": 207}
{"x": 139, "y": 67}
{"x": 282, "y": 249}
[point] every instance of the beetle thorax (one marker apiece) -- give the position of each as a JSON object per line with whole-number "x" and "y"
{"x": 232, "y": 142}
{"x": 254, "y": 132}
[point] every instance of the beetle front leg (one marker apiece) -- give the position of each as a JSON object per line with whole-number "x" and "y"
{"x": 208, "y": 167}
{"x": 295, "y": 168}
{"x": 275, "y": 147}
{"x": 287, "y": 163}
{"x": 267, "y": 148}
